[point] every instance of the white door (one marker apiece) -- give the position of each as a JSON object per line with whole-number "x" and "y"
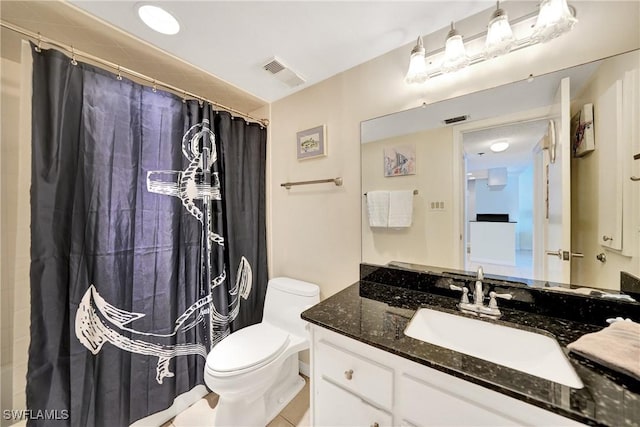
{"x": 557, "y": 222}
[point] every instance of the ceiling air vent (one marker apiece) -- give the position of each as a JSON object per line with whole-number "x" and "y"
{"x": 283, "y": 73}
{"x": 455, "y": 119}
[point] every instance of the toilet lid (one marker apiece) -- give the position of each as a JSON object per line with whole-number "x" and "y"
{"x": 250, "y": 346}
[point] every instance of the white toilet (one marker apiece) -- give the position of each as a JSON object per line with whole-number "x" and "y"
{"x": 255, "y": 370}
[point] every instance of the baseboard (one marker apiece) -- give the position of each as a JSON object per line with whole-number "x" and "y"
{"x": 304, "y": 368}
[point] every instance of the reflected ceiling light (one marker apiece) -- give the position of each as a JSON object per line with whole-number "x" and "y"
{"x": 455, "y": 54}
{"x": 555, "y": 18}
{"x": 417, "y": 72}
{"x": 499, "y": 146}
{"x": 158, "y": 19}
{"x": 500, "y": 38}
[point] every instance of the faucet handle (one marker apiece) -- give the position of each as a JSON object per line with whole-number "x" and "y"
{"x": 492, "y": 301}
{"x": 465, "y": 297}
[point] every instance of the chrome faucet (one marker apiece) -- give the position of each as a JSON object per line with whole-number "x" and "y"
{"x": 478, "y": 308}
{"x": 478, "y": 294}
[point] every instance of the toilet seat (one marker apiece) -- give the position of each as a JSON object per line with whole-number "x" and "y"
{"x": 246, "y": 350}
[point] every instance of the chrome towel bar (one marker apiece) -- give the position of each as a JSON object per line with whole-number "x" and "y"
{"x": 414, "y": 192}
{"x": 336, "y": 181}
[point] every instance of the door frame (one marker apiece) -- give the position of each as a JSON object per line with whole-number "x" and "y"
{"x": 459, "y": 174}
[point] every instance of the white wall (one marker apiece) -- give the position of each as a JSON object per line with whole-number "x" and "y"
{"x": 584, "y": 194}
{"x": 498, "y": 200}
{"x": 525, "y": 211}
{"x": 423, "y": 242}
{"x": 15, "y": 242}
{"x": 316, "y": 230}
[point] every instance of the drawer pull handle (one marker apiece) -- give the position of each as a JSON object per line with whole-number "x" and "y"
{"x": 348, "y": 374}
{"x": 375, "y": 425}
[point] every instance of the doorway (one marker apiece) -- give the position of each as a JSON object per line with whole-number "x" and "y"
{"x": 501, "y": 184}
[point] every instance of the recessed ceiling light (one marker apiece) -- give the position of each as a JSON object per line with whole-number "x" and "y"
{"x": 497, "y": 147}
{"x": 158, "y": 19}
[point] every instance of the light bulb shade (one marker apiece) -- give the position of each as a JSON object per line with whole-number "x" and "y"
{"x": 500, "y": 38}
{"x": 455, "y": 54}
{"x": 417, "y": 72}
{"x": 554, "y": 19}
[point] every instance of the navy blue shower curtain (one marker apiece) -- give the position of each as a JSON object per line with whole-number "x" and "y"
{"x": 147, "y": 242}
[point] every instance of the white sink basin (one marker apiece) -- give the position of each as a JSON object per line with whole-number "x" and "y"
{"x": 524, "y": 351}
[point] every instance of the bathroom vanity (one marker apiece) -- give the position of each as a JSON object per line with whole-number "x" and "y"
{"x": 366, "y": 371}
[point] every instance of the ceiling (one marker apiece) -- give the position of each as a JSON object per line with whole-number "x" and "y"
{"x": 232, "y": 40}
{"x": 522, "y": 138}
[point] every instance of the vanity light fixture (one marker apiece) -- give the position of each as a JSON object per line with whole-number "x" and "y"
{"x": 498, "y": 147}
{"x": 417, "y": 72}
{"x": 500, "y": 38}
{"x": 158, "y": 19}
{"x": 554, "y": 18}
{"x": 455, "y": 54}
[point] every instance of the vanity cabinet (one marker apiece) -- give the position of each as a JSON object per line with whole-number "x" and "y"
{"x": 359, "y": 385}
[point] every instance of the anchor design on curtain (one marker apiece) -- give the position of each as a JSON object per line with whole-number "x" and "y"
{"x": 98, "y": 322}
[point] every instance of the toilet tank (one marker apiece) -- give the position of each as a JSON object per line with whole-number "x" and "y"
{"x": 286, "y": 298}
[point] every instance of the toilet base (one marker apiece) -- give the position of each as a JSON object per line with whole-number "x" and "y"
{"x": 282, "y": 397}
{"x": 260, "y": 410}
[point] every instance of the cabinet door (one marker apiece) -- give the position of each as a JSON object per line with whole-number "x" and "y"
{"x": 338, "y": 407}
{"x": 609, "y": 127}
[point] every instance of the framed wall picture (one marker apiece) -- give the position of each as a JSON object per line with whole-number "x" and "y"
{"x": 399, "y": 161}
{"x": 312, "y": 143}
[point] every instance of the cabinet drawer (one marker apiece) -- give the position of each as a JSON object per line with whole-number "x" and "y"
{"x": 338, "y": 407}
{"x": 437, "y": 399}
{"x": 353, "y": 372}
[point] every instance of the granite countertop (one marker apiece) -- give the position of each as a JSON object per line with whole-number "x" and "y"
{"x": 608, "y": 398}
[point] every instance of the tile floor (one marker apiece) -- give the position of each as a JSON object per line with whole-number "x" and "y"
{"x": 296, "y": 414}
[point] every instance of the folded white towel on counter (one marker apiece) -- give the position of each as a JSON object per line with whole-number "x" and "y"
{"x": 400, "y": 208}
{"x": 378, "y": 208}
{"x": 617, "y": 347}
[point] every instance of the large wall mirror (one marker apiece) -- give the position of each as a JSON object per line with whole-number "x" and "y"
{"x": 533, "y": 179}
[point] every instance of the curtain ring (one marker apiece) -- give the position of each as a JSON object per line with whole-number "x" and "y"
{"x": 38, "y": 48}
{"x": 73, "y": 56}
{"x": 184, "y": 97}
{"x": 154, "y": 88}
{"x": 200, "y": 103}
{"x": 119, "y": 76}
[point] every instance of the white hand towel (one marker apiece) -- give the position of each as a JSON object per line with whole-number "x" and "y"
{"x": 378, "y": 208}
{"x": 400, "y": 208}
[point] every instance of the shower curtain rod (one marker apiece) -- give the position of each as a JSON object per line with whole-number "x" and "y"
{"x": 38, "y": 38}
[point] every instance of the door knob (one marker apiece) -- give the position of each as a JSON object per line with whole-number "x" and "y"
{"x": 607, "y": 238}
{"x": 602, "y": 257}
